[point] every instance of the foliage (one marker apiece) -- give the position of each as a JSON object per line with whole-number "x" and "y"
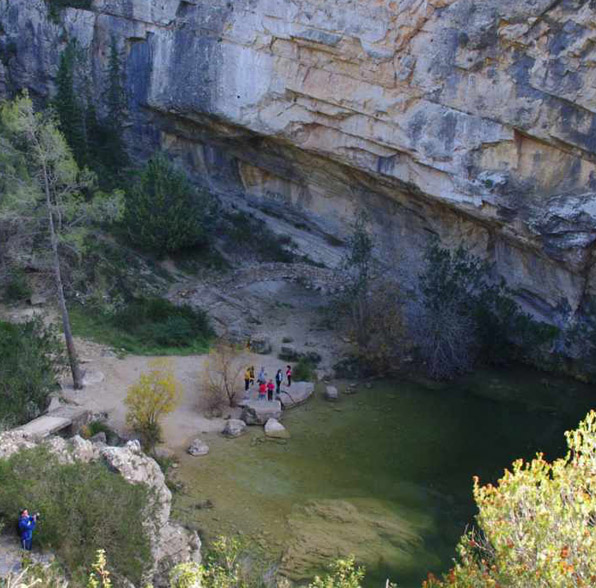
{"x": 344, "y": 574}
{"x": 146, "y": 326}
{"x": 30, "y": 361}
{"x": 464, "y": 316}
{"x": 369, "y": 308}
{"x": 228, "y": 565}
{"x": 164, "y": 212}
{"x": 156, "y": 394}
{"x": 96, "y": 142}
{"x": 45, "y": 194}
{"x": 222, "y": 376}
{"x": 251, "y": 237}
{"x": 17, "y": 288}
{"x": 84, "y": 507}
{"x": 70, "y": 111}
{"x": 99, "y": 576}
{"x": 537, "y": 527}
{"x": 304, "y": 371}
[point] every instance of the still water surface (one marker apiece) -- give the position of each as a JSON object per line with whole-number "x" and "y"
{"x": 384, "y": 474}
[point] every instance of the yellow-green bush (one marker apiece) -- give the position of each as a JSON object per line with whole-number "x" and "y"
{"x": 537, "y": 526}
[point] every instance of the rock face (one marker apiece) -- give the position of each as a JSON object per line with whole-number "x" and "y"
{"x": 470, "y": 121}
{"x": 171, "y": 543}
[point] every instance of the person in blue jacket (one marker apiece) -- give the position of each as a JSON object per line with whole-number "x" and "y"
{"x": 26, "y": 528}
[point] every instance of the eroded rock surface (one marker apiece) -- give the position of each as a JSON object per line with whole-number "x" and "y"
{"x": 470, "y": 121}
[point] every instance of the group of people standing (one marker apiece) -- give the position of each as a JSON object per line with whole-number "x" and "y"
{"x": 266, "y": 385}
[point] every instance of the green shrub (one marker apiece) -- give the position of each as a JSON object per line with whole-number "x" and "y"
{"x": 164, "y": 212}
{"x": 465, "y": 316}
{"x": 304, "y": 371}
{"x": 150, "y": 326}
{"x": 250, "y": 235}
{"x": 17, "y": 287}
{"x": 83, "y": 506}
{"x": 536, "y": 527}
{"x": 30, "y": 360}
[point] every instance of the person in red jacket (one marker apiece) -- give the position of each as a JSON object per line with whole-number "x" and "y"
{"x": 270, "y": 388}
{"x": 289, "y": 374}
{"x": 262, "y": 390}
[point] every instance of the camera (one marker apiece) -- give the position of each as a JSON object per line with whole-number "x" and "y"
{"x": 37, "y": 516}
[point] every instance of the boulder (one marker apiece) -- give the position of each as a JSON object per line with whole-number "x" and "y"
{"x": 288, "y": 353}
{"x": 331, "y": 393}
{"x": 234, "y": 428}
{"x": 275, "y": 430}
{"x": 258, "y": 412}
{"x": 100, "y": 437}
{"x": 296, "y": 394}
{"x": 37, "y": 300}
{"x": 261, "y": 345}
{"x": 198, "y": 447}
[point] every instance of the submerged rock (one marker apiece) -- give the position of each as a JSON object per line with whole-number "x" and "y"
{"x": 234, "y": 428}
{"x": 198, "y": 447}
{"x": 296, "y": 394}
{"x": 258, "y": 412}
{"x": 321, "y": 530}
{"x": 275, "y": 430}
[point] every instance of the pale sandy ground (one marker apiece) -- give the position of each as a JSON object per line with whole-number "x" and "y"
{"x": 179, "y": 427}
{"x": 283, "y": 309}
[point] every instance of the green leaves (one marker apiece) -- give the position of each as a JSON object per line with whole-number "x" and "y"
{"x": 164, "y": 213}
{"x": 537, "y": 526}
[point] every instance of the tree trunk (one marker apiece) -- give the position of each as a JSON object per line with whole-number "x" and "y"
{"x": 77, "y": 379}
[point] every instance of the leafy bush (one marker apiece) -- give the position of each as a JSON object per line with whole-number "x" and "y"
{"x": 304, "y": 371}
{"x": 156, "y": 394}
{"x": 251, "y": 236}
{"x": 17, "y": 287}
{"x": 30, "y": 360}
{"x": 222, "y": 376}
{"x": 147, "y": 326}
{"x": 537, "y": 527}
{"x": 464, "y": 316}
{"x": 83, "y": 506}
{"x": 164, "y": 212}
{"x": 344, "y": 574}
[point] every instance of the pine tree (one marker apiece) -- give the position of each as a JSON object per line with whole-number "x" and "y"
{"x": 114, "y": 155}
{"x": 70, "y": 111}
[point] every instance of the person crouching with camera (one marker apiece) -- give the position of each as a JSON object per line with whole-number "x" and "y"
{"x": 26, "y": 527}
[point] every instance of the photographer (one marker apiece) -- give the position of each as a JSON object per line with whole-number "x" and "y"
{"x": 26, "y": 527}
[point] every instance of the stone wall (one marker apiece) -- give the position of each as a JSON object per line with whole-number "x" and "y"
{"x": 470, "y": 120}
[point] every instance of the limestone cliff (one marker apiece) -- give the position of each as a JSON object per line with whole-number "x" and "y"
{"x": 470, "y": 120}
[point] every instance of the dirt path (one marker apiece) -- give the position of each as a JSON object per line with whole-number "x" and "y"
{"x": 279, "y": 302}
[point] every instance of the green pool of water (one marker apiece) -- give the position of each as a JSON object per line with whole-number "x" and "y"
{"x": 384, "y": 474}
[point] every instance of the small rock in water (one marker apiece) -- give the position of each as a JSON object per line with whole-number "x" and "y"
{"x": 204, "y": 505}
{"x": 198, "y": 447}
{"x": 275, "y": 430}
{"x": 368, "y": 385}
{"x": 234, "y": 428}
{"x": 331, "y": 393}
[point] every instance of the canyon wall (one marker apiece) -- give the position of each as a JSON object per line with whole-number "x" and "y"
{"x": 473, "y": 121}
